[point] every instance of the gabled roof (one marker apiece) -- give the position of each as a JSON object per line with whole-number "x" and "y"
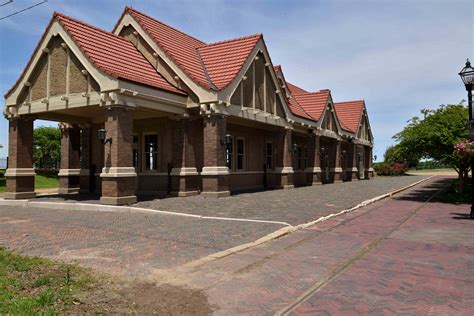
{"x": 349, "y": 114}
{"x": 295, "y": 89}
{"x": 223, "y": 60}
{"x": 111, "y": 54}
{"x": 212, "y": 66}
{"x": 313, "y": 103}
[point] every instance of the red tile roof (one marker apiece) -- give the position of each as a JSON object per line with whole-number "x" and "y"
{"x": 223, "y": 60}
{"x": 349, "y": 114}
{"x": 113, "y": 54}
{"x": 313, "y": 103}
{"x": 295, "y": 89}
{"x": 297, "y": 109}
{"x": 212, "y": 66}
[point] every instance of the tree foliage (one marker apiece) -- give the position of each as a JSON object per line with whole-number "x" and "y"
{"x": 399, "y": 154}
{"x": 46, "y": 147}
{"x": 434, "y": 135}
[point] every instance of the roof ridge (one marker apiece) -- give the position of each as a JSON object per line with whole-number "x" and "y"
{"x": 131, "y": 9}
{"x": 232, "y": 40}
{"x": 352, "y": 101}
{"x": 312, "y": 92}
{"x": 203, "y": 65}
{"x": 60, "y": 15}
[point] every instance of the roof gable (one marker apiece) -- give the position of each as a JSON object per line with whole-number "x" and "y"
{"x": 113, "y": 54}
{"x": 314, "y": 103}
{"x": 350, "y": 114}
{"x": 295, "y": 89}
{"x": 180, "y": 47}
{"x": 223, "y": 60}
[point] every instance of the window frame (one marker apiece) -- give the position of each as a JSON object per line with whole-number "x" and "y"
{"x": 144, "y": 152}
{"x": 237, "y": 154}
{"x": 136, "y": 147}
{"x": 271, "y": 156}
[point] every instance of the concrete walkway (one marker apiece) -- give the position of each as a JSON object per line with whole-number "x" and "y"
{"x": 408, "y": 255}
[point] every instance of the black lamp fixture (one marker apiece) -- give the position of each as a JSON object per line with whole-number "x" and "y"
{"x": 323, "y": 150}
{"x": 227, "y": 140}
{"x": 103, "y": 135}
{"x": 343, "y": 154}
{"x": 294, "y": 148}
{"x": 467, "y": 76}
{"x": 375, "y": 157}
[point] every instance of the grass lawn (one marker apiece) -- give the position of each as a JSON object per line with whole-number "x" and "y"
{"x": 31, "y": 285}
{"x": 42, "y": 181}
{"x": 447, "y": 171}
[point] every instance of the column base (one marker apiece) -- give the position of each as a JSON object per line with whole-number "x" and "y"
{"x": 68, "y": 181}
{"x": 184, "y": 181}
{"x": 184, "y": 193}
{"x": 68, "y": 190}
{"x": 313, "y": 176}
{"x": 220, "y": 194}
{"x": 118, "y": 200}
{"x": 19, "y": 195}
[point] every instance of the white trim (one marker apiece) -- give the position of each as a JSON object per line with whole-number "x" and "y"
{"x": 215, "y": 171}
{"x": 118, "y": 172}
{"x": 337, "y": 169}
{"x": 184, "y": 171}
{"x": 69, "y": 172}
{"x": 284, "y": 170}
{"x": 20, "y": 172}
{"x": 313, "y": 170}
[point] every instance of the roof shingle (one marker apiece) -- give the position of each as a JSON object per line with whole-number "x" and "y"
{"x": 313, "y": 103}
{"x": 349, "y": 114}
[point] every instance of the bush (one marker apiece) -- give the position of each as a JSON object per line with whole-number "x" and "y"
{"x": 391, "y": 169}
{"x": 48, "y": 173}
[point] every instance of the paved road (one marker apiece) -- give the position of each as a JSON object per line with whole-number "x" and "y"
{"x": 410, "y": 255}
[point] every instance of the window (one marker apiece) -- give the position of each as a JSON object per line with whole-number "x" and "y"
{"x": 229, "y": 152}
{"x": 302, "y": 156}
{"x": 269, "y": 155}
{"x": 151, "y": 149}
{"x": 135, "y": 151}
{"x": 240, "y": 154}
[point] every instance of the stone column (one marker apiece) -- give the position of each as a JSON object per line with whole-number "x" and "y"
{"x": 85, "y": 175}
{"x": 119, "y": 179}
{"x": 313, "y": 171}
{"x": 20, "y": 174}
{"x": 184, "y": 175}
{"x": 337, "y": 163}
{"x": 285, "y": 167}
{"x": 215, "y": 173}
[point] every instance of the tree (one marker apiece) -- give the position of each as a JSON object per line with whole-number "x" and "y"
{"x": 397, "y": 153}
{"x": 434, "y": 136}
{"x": 46, "y": 147}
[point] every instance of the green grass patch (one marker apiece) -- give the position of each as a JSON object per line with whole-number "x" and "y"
{"x": 30, "y": 285}
{"x": 43, "y": 180}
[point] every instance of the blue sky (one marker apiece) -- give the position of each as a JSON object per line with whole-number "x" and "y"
{"x": 400, "y": 56}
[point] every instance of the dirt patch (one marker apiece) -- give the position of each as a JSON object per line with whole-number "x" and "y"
{"x": 142, "y": 298}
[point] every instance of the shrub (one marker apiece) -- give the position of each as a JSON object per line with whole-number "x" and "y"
{"x": 391, "y": 169}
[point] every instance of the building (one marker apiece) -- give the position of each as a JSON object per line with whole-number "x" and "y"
{"x": 149, "y": 109}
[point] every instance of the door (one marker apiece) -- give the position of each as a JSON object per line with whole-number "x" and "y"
{"x": 324, "y": 165}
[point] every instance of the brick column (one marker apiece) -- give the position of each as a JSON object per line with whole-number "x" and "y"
{"x": 215, "y": 173}
{"x": 284, "y": 159}
{"x": 20, "y": 174}
{"x": 337, "y": 163}
{"x": 85, "y": 175}
{"x": 97, "y": 158}
{"x": 369, "y": 171}
{"x": 119, "y": 179}
{"x": 184, "y": 175}
{"x": 313, "y": 171}
{"x": 351, "y": 163}
{"x": 70, "y": 159}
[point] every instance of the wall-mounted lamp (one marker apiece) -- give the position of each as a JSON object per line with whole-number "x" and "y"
{"x": 227, "y": 140}
{"x": 294, "y": 148}
{"x": 103, "y": 135}
{"x": 343, "y": 154}
{"x": 323, "y": 150}
{"x": 375, "y": 157}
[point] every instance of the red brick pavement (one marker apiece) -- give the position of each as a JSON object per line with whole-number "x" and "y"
{"x": 396, "y": 256}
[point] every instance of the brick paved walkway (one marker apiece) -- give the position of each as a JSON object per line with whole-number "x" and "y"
{"x": 131, "y": 244}
{"x": 293, "y": 206}
{"x": 397, "y": 256}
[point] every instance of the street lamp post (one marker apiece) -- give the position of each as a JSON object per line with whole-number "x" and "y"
{"x": 467, "y": 76}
